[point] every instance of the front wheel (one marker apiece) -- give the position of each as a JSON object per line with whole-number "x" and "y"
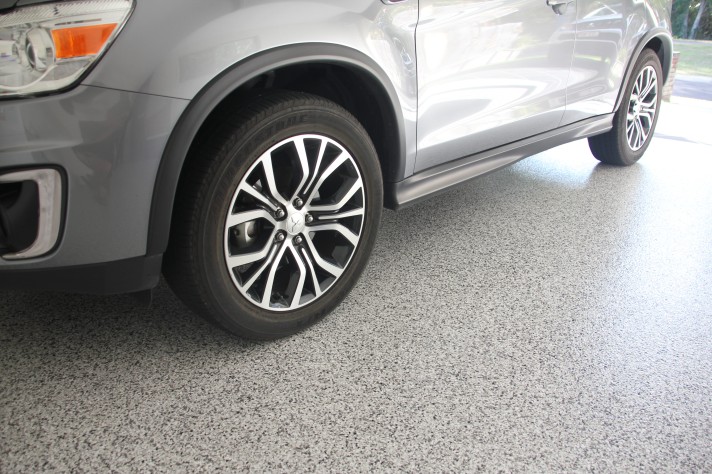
{"x": 635, "y": 120}
{"x": 276, "y": 216}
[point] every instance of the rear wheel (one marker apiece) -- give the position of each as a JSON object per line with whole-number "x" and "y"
{"x": 276, "y": 217}
{"x": 635, "y": 120}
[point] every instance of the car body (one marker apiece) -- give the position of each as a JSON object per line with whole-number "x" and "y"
{"x": 445, "y": 90}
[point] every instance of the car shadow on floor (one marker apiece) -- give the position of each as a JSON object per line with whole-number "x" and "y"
{"x": 112, "y": 326}
{"x": 121, "y": 323}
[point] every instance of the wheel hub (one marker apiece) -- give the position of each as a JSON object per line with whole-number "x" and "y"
{"x": 294, "y": 224}
{"x": 636, "y": 108}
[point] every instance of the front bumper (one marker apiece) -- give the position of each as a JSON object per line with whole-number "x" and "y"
{"x": 107, "y": 145}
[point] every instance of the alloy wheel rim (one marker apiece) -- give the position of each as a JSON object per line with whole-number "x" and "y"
{"x": 294, "y": 222}
{"x": 642, "y": 108}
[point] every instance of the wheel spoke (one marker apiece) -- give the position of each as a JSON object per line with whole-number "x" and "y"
{"x": 303, "y": 162}
{"x": 248, "y": 284}
{"x": 630, "y": 125}
{"x": 649, "y": 111}
{"x": 635, "y": 93}
{"x": 357, "y": 186}
{"x": 329, "y": 267}
{"x": 649, "y": 104}
{"x": 302, "y": 278}
{"x": 350, "y": 236}
{"x": 270, "y": 277}
{"x": 647, "y": 117}
{"x": 643, "y": 132}
{"x": 315, "y": 280}
{"x": 251, "y": 257}
{"x": 269, "y": 176}
{"x": 638, "y": 133}
{"x": 319, "y": 158}
{"x": 340, "y": 160}
{"x": 650, "y": 82}
{"x": 631, "y": 133}
{"x": 246, "y": 188}
{"x": 242, "y": 217}
{"x": 341, "y": 215}
{"x": 635, "y": 134}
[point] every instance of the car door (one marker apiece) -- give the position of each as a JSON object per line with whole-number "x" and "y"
{"x": 600, "y": 55}
{"x": 489, "y": 72}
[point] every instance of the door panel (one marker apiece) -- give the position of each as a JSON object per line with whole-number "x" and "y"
{"x": 489, "y": 72}
{"x": 607, "y": 32}
{"x": 598, "y": 66}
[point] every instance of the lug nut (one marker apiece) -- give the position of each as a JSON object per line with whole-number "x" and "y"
{"x": 298, "y": 239}
{"x": 308, "y": 218}
{"x": 279, "y": 237}
{"x": 298, "y": 203}
{"x": 279, "y": 214}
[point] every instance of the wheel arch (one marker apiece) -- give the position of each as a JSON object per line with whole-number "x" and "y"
{"x": 354, "y": 81}
{"x": 658, "y": 40}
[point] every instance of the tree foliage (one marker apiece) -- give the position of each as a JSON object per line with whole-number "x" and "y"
{"x": 692, "y": 19}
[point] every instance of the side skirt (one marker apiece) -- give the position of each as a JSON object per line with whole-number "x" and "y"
{"x": 441, "y": 178}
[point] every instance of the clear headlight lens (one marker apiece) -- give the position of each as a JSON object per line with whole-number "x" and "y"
{"x": 48, "y": 47}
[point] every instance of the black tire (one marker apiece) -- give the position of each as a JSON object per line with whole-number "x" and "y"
{"x": 213, "y": 194}
{"x": 616, "y": 147}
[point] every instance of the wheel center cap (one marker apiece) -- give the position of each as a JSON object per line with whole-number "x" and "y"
{"x": 636, "y": 108}
{"x": 295, "y": 223}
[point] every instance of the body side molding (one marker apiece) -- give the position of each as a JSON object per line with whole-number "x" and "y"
{"x": 442, "y": 178}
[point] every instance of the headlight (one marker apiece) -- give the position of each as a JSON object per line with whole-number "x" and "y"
{"x": 48, "y": 47}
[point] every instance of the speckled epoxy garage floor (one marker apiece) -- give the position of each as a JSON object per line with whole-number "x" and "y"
{"x": 554, "y": 316}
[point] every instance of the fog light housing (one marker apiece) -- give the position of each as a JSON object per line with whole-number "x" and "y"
{"x": 30, "y": 213}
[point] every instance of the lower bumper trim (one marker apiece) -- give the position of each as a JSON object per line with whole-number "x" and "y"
{"x": 121, "y": 276}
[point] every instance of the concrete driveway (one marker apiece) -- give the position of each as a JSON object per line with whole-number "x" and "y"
{"x": 554, "y": 316}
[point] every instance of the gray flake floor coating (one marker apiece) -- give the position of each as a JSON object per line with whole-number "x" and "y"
{"x": 553, "y": 316}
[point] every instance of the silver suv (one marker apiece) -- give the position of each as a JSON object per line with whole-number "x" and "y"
{"x": 245, "y": 149}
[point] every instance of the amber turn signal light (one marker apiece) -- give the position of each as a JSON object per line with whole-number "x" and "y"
{"x": 81, "y": 41}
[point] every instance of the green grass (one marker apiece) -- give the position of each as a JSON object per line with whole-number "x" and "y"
{"x": 695, "y": 57}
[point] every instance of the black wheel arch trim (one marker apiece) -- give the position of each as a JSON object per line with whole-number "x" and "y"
{"x": 220, "y": 87}
{"x": 666, "y": 39}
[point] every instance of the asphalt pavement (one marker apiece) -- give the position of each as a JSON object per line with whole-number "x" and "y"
{"x": 553, "y": 316}
{"x": 693, "y": 87}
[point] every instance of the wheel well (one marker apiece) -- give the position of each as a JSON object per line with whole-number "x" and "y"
{"x": 661, "y": 44}
{"x": 657, "y": 45}
{"x": 340, "y": 74}
{"x": 356, "y": 91}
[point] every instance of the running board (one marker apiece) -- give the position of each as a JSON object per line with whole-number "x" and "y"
{"x": 441, "y": 178}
